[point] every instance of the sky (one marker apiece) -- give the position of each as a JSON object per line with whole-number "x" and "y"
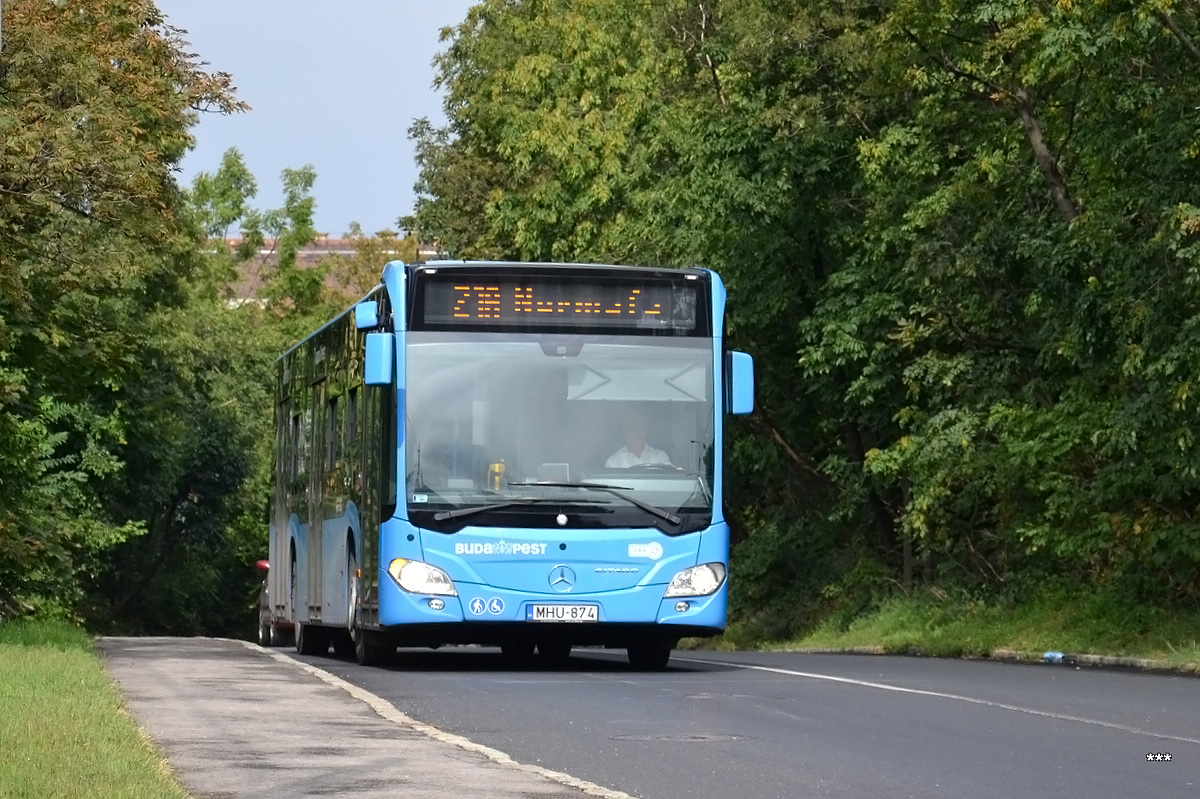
{"x": 335, "y": 85}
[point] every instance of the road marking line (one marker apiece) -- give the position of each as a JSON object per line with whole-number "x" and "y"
{"x": 920, "y": 692}
{"x": 389, "y": 712}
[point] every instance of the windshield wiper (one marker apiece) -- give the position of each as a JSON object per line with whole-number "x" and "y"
{"x": 458, "y": 513}
{"x": 619, "y": 491}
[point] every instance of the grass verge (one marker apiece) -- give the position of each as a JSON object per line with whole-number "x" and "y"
{"x": 1082, "y": 624}
{"x": 62, "y": 721}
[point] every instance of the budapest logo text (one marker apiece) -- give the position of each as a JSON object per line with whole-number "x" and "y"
{"x": 499, "y": 548}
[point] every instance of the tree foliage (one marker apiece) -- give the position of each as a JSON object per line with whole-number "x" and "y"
{"x": 95, "y": 103}
{"x": 206, "y": 386}
{"x": 959, "y": 239}
{"x": 135, "y": 383}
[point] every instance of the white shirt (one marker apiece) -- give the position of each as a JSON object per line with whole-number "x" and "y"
{"x": 623, "y": 458}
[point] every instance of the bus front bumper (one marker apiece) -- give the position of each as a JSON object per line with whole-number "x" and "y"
{"x": 486, "y": 615}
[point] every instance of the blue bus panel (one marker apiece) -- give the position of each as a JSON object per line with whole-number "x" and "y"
{"x": 521, "y": 455}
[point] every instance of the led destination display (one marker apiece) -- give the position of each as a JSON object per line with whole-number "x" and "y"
{"x": 536, "y": 301}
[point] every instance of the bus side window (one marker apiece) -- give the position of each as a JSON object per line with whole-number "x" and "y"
{"x": 331, "y": 434}
{"x": 296, "y": 470}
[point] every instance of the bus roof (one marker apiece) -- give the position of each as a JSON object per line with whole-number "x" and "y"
{"x": 517, "y": 265}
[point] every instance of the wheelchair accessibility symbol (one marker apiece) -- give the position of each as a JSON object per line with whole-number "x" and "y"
{"x": 479, "y": 606}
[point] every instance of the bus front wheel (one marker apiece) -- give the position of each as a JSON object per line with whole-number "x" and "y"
{"x": 372, "y": 648}
{"x": 649, "y": 657}
{"x": 517, "y": 651}
{"x": 311, "y": 640}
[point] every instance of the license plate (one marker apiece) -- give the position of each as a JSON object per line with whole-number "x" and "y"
{"x": 562, "y": 612}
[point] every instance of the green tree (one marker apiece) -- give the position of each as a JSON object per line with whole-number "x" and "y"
{"x": 205, "y": 385}
{"x": 678, "y": 134}
{"x": 355, "y": 275}
{"x": 1029, "y": 205}
{"x": 959, "y": 240}
{"x": 96, "y": 100}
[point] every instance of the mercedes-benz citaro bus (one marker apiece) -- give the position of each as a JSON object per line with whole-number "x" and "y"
{"x": 518, "y": 455}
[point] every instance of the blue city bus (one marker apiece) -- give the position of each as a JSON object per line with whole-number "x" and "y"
{"x": 519, "y": 455}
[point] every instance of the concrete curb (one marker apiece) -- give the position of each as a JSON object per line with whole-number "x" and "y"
{"x": 389, "y": 712}
{"x": 834, "y": 650}
{"x": 1104, "y": 661}
{"x": 1015, "y": 656}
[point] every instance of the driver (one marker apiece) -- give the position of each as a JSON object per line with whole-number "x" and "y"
{"x": 636, "y": 451}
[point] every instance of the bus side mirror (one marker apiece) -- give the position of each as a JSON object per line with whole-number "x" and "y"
{"x": 377, "y": 368}
{"x": 739, "y": 367}
{"x": 366, "y": 314}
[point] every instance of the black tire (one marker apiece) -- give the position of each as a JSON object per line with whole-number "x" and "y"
{"x": 292, "y": 604}
{"x": 368, "y": 647}
{"x": 373, "y": 649}
{"x": 312, "y": 640}
{"x": 343, "y": 644}
{"x": 649, "y": 657}
{"x": 554, "y": 652}
{"x": 353, "y": 591}
{"x": 264, "y": 633}
{"x": 517, "y": 651}
{"x": 280, "y": 637}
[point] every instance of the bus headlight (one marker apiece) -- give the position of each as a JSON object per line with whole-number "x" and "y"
{"x": 416, "y": 577}
{"x": 699, "y": 580}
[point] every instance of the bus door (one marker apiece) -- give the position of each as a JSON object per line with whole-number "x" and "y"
{"x": 281, "y": 508}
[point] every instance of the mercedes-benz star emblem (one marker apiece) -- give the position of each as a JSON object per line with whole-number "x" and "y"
{"x": 562, "y": 579}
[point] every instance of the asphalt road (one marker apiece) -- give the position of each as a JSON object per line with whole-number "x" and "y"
{"x": 794, "y": 725}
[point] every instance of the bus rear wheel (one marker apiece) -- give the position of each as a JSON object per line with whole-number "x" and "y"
{"x": 649, "y": 657}
{"x": 280, "y": 637}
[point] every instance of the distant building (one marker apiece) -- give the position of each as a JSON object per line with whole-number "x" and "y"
{"x": 254, "y": 274}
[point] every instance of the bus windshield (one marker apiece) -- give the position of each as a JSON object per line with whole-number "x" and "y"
{"x": 530, "y": 430}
